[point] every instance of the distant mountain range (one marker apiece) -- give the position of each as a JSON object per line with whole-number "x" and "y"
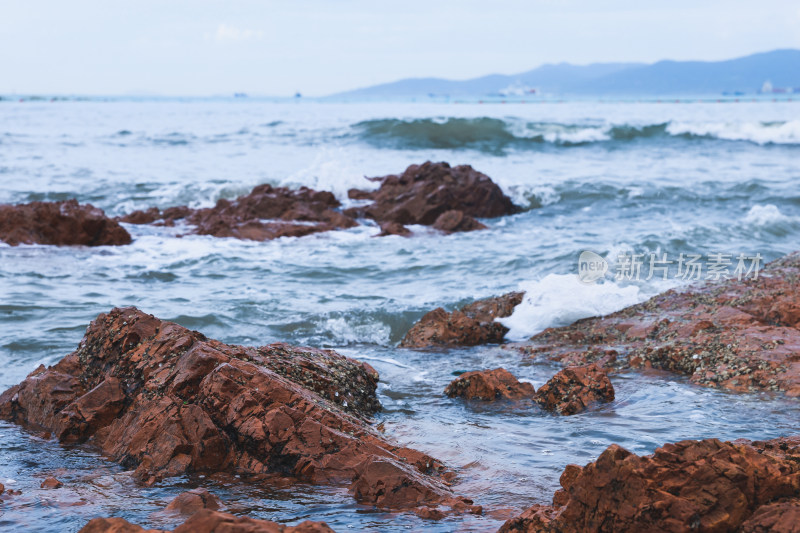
{"x": 777, "y": 71}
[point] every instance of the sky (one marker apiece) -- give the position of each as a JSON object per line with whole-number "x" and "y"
{"x": 319, "y": 47}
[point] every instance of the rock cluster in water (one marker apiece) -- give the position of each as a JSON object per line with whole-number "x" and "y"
{"x": 471, "y": 325}
{"x": 570, "y": 391}
{"x": 434, "y": 194}
{"x": 741, "y": 335}
{"x": 208, "y": 521}
{"x": 60, "y": 223}
{"x": 705, "y": 485}
{"x": 163, "y": 400}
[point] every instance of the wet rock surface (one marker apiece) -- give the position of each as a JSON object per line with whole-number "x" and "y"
{"x": 424, "y": 193}
{"x": 705, "y": 485}
{"x": 208, "y": 521}
{"x": 189, "y": 502}
{"x": 575, "y": 389}
{"x": 163, "y": 401}
{"x": 265, "y": 213}
{"x": 471, "y": 325}
{"x": 51, "y": 483}
{"x": 59, "y": 223}
{"x": 738, "y": 335}
{"x": 489, "y": 385}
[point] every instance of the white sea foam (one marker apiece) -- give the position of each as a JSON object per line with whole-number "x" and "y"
{"x": 559, "y": 299}
{"x": 765, "y": 215}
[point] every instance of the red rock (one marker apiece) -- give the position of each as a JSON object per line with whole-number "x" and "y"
{"x": 575, "y": 389}
{"x": 393, "y": 228}
{"x": 704, "y": 485}
{"x": 164, "y": 401}
{"x": 489, "y": 385}
{"x": 265, "y": 213}
{"x": 2, "y": 489}
{"x": 738, "y": 335}
{"x": 208, "y": 521}
{"x": 189, "y": 502}
{"x": 423, "y": 193}
{"x": 60, "y": 223}
{"x": 779, "y": 517}
{"x": 455, "y": 220}
{"x": 51, "y": 483}
{"x": 471, "y": 325}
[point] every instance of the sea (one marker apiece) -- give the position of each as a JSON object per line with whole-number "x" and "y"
{"x": 667, "y": 178}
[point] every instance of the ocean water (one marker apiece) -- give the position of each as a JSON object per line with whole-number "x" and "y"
{"x": 692, "y": 178}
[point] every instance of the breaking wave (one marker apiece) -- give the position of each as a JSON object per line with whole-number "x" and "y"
{"x": 497, "y": 135}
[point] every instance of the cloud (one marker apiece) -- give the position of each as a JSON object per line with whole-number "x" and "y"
{"x": 229, "y": 33}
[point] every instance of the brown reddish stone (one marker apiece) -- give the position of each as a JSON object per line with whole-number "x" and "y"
{"x": 51, "y": 483}
{"x": 489, "y": 385}
{"x": 471, "y": 325}
{"x": 575, "y": 389}
{"x": 393, "y": 228}
{"x": 265, "y": 213}
{"x": 189, "y": 502}
{"x": 705, "y": 485}
{"x": 60, "y": 223}
{"x": 737, "y": 335}
{"x": 163, "y": 400}
{"x": 422, "y": 193}
{"x": 455, "y": 220}
{"x": 779, "y": 517}
{"x": 208, "y": 521}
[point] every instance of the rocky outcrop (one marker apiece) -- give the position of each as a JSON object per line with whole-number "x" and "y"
{"x": 60, "y": 223}
{"x": 738, "y": 335}
{"x": 471, "y": 325}
{"x": 575, "y": 389}
{"x": 208, "y": 521}
{"x": 163, "y": 401}
{"x": 265, "y": 213}
{"x": 425, "y": 193}
{"x": 489, "y": 385}
{"x": 705, "y": 485}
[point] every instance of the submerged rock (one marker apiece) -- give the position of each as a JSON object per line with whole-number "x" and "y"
{"x": 163, "y": 400}
{"x": 208, "y": 521}
{"x": 473, "y": 324}
{"x": 60, "y": 223}
{"x": 51, "y": 483}
{"x": 705, "y": 485}
{"x": 739, "y": 335}
{"x": 189, "y": 502}
{"x": 575, "y": 389}
{"x": 265, "y": 213}
{"x": 489, "y": 385}
{"x": 424, "y": 193}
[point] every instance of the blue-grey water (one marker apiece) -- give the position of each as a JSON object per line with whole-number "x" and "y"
{"x": 608, "y": 177}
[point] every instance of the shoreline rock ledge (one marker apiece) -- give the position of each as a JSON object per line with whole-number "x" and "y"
{"x": 163, "y": 400}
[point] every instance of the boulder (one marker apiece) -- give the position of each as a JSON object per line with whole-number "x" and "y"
{"x": 423, "y": 193}
{"x": 51, "y": 483}
{"x": 489, "y": 385}
{"x": 265, "y": 213}
{"x": 705, "y": 485}
{"x": 163, "y": 401}
{"x": 575, "y": 389}
{"x": 473, "y": 324}
{"x": 189, "y": 502}
{"x": 740, "y": 335}
{"x": 208, "y": 521}
{"x": 59, "y": 223}
{"x": 393, "y": 228}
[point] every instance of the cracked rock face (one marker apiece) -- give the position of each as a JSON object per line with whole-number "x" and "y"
{"x": 738, "y": 335}
{"x": 575, "y": 389}
{"x": 705, "y": 485}
{"x": 59, "y": 223}
{"x": 164, "y": 400}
